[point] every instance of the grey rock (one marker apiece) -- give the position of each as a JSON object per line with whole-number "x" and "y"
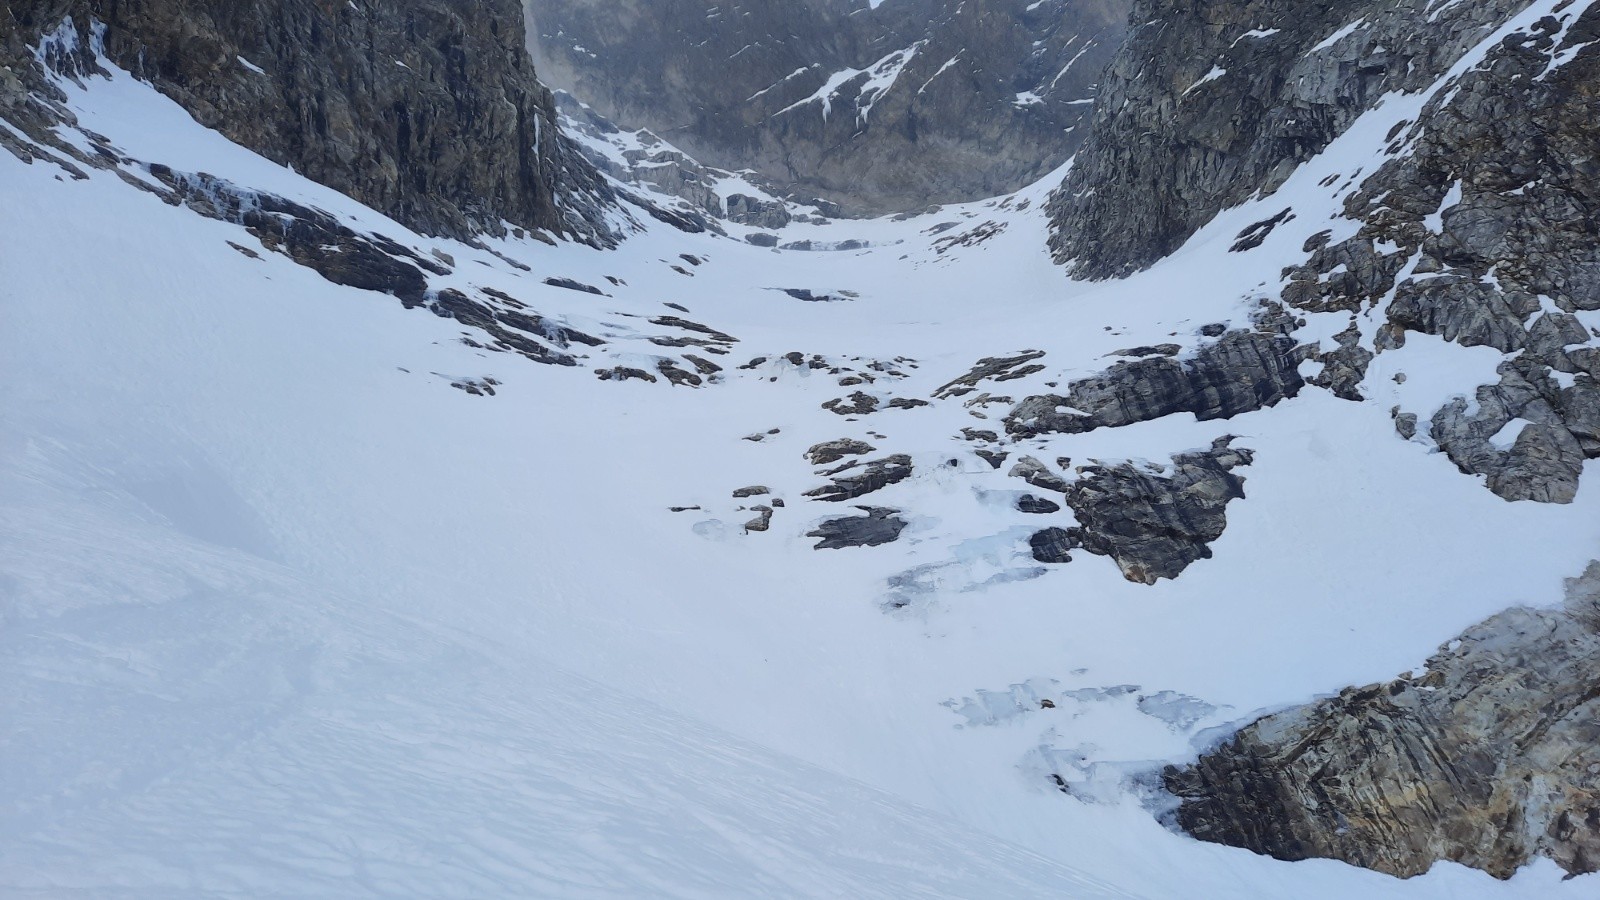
{"x": 711, "y": 336}
{"x": 879, "y": 526}
{"x": 1545, "y": 461}
{"x": 624, "y": 373}
{"x": 571, "y": 285}
{"x": 1155, "y": 350}
{"x": 702, "y": 365}
{"x": 1242, "y": 372}
{"x": 1344, "y": 368}
{"x": 995, "y": 458}
{"x": 1039, "y": 475}
{"x": 655, "y": 165}
{"x": 1200, "y": 110}
{"x": 754, "y": 490}
{"x": 1038, "y": 506}
{"x": 857, "y": 404}
{"x": 1481, "y": 203}
{"x": 1155, "y": 525}
{"x": 1467, "y": 312}
{"x": 1579, "y": 408}
{"x": 1405, "y": 424}
{"x": 522, "y": 333}
{"x": 1544, "y": 464}
{"x": 998, "y": 368}
{"x": 1053, "y": 545}
{"x": 677, "y": 376}
{"x": 832, "y": 451}
{"x": 756, "y": 213}
{"x": 1488, "y": 757}
{"x": 762, "y": 521}
{"x": 809, "y": 296}
{"x": 874, "y": 476}
{"x": 373, "y": 262}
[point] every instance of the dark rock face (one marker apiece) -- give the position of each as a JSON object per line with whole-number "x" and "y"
{"x": 1037, "y": 506}
{"x": 1208, "y": 102}
{"x": 428, "y": 110}
{"x": 1053, "y": 545}
{"x": 1489, "y": 757}
{"x": 1482, "y": 232}
{"x": 1244, "y": 371}
{"x": 873, "y": 476}
{"x": 763, "y": 520}
{"x": 833, "y": 451}
{"x": 756, "y": 213}
{"x": 996, "y": 368}
{"x": 913, "y": 102}
{"x": 1544, "y": 461}
{"x": 1477, "y": 227}
{"x": 879, "y": 526}
{"x": 857, "y": 404}
{"x": 1039, "y": 475}
{"x": 1154, "y": 524}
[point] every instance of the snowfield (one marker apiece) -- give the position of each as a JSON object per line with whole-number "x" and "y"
{"x": 286, "y": 612}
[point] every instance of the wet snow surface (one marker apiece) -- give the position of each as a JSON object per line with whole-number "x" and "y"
{"x": 288, "y": 610}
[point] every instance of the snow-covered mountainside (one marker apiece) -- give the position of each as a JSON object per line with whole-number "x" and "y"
{"x": 879, "y": 106}
{"x": 346, "y": 551}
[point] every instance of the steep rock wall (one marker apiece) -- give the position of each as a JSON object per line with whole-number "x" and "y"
{"x": 428, "y": 110}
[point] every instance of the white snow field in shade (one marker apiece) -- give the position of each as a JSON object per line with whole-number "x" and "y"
{"x": 284, "y": 613}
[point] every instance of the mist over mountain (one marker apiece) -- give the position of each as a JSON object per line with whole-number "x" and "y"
{"x": 881, "y": 107}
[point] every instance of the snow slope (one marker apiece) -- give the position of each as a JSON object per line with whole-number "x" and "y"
{"x": 190, "y": 719}
{"x": 286, "y": 611}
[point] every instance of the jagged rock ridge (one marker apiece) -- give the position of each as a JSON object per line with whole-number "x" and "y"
{"x": 1209, "y": 102}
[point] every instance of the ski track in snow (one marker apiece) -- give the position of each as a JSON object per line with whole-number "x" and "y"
{"x": 284, "y": 612}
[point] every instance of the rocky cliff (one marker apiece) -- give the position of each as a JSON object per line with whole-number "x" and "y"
{"x": 887, "y": 106}
{"x": 1474, "y": 224}
{"x": 1488, "y": 756}
{"x": 1480, "y": 229}
{"x": 428, "y": 110}
{"x": 1209, "y": 102}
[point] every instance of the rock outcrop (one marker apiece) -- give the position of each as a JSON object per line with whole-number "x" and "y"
{"x": 832, "y": 451}
{"x": 1489, "y": 757}
{"x": 428, "y": 110}
{"x": 1209, "y": 102}
{"x": 1242, "y": 372}
{"x": 1476, "y": 226}
{"x": 881, "y": 107}
{"x": 1480, "y": 230}
{"x": 854, "y": 480}
{"x": 1153, "y": 523}
{"x": 879, "y": 526}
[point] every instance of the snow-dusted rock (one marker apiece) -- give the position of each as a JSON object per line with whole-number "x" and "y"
{"x": 427, "y": 110}
{"x": 1488, "y": 756}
